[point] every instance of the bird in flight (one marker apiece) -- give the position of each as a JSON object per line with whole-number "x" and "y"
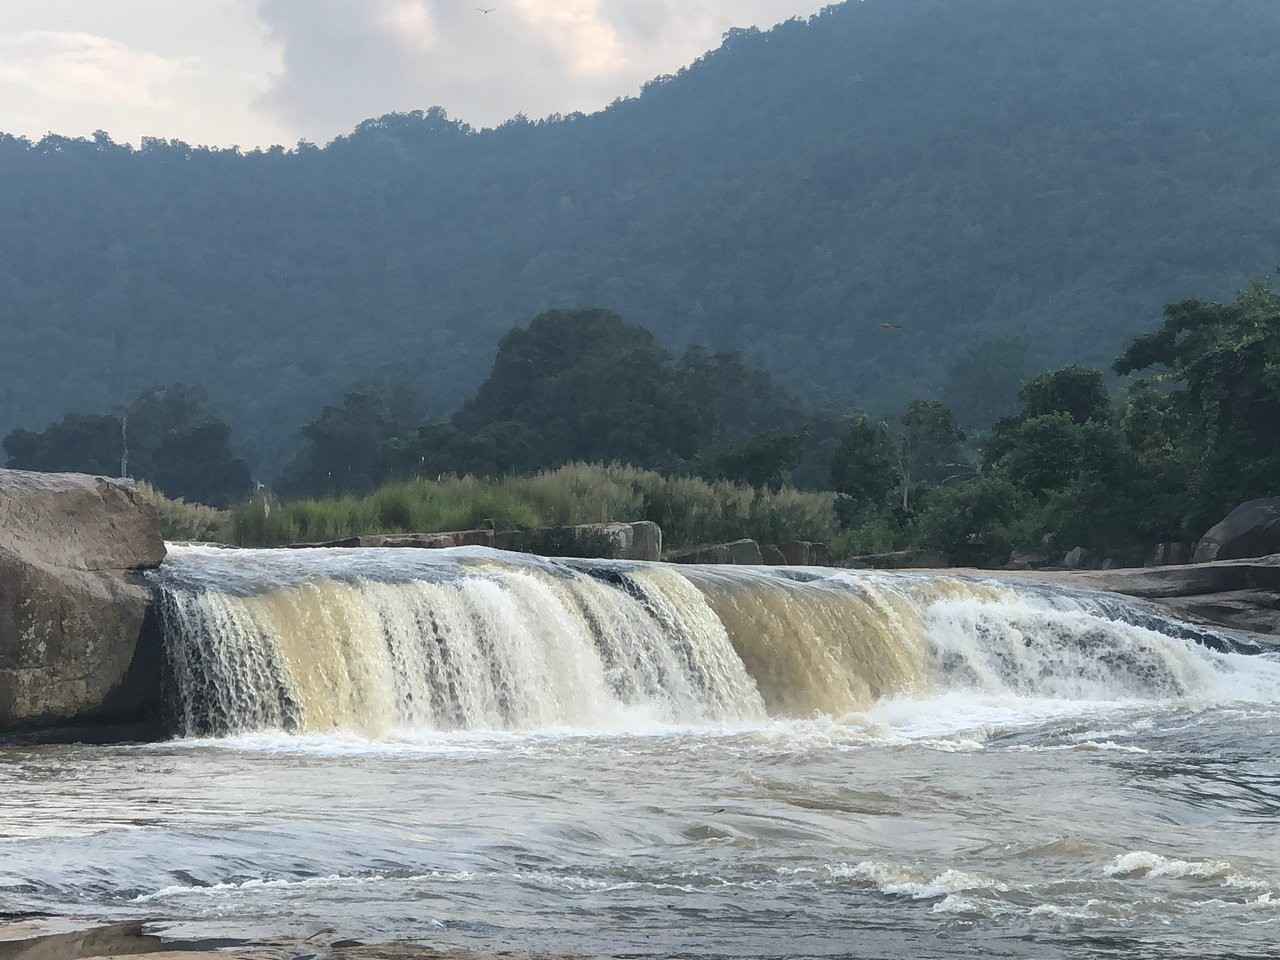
{"x": 487, "y": 10}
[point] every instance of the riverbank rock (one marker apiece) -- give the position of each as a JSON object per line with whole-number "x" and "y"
{"x": 74, "y": 639}
{"x": 599, "y": 541}
{"x": 641, "y": 540}
{"x": 1170, "y": 555}
{"x": 408, "y": 541}
{"x": 1238, "y": 594}
{"x": 1251, "y": 530}
{"x": 742, "y": 553}
{"x": 804, "y": 553}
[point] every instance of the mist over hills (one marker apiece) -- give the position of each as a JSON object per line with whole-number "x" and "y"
{"x": 848, "y": 200}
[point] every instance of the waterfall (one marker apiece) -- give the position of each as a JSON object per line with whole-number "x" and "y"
{"x": 372, "y": 641}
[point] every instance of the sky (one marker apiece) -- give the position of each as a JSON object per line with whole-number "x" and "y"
{"x": 259, "y": 72}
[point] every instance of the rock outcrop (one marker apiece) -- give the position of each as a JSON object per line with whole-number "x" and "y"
{"x": 603, "y": 541}
{"x": 743, "y": 553}
{"x": 407, "y": 541}
{"x": 1251, "y": 530}
{"x": 74, "y": 639}
{"x": 1238, "y": 594}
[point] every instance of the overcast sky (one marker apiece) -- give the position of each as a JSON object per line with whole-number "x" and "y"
{"x": 256, "y": 72}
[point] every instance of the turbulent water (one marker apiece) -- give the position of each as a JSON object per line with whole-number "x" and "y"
{"x": 472, "y": 749}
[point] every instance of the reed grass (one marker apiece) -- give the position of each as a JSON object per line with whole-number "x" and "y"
{"x": 689, "y": 510}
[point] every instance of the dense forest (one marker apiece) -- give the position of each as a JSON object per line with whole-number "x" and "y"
{"x": 845, "y": 199}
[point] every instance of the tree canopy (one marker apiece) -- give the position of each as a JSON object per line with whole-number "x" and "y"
{"x": 167, "y": 435}
{"x": 843, "y": 200}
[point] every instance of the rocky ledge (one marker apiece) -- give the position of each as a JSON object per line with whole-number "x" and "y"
{"x": 74, "y": 640}
{"x": 1237, "y": 594}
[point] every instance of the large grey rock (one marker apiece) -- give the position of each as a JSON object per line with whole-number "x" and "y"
{"x": 741, "y": 553}
{"x": 408, "y": 541}
{"x": 804, "y": 553}
{"x": 606, "y": 541}
{"x": 603, "y": 541}
{"x": 74, "y": 644}
{"x": 1251, "y": 530}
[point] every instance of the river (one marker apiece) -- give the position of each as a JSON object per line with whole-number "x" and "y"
{"x": 619, "y": 760}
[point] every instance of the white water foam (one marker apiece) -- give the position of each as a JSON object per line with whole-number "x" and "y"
{"x": 381, "y": 646}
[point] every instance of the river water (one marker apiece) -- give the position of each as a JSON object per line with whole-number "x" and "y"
{"x": 471, "y": 750}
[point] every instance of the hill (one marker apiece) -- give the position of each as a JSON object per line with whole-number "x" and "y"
{"x": 846, "y": 199}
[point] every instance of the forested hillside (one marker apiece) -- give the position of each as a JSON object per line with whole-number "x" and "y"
{"x": 848, "y": 200}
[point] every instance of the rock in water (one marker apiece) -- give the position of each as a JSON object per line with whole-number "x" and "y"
{"x": 73, "y": 609}
{"x": 1251, "y": 530}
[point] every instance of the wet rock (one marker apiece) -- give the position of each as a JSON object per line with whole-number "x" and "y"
{"x": 1170, "y": 555}
{"x": 1028, "y": 560}
{"x": 804, "y": 553}
{"x": 408, "y": 541}
{"x": 1251, "y": 530}
{"x": 772, "y": 556}
{"x": 641, "y": 540}
{"x": 744, "y": 553}
{"x": 1078, "y": 559}
{"x": 75, "y": 643}
{"x": 604, "y": 541}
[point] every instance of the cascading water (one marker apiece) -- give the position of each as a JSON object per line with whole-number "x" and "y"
{"x": 478, "y": 751}
{"x": 372, "y": 641}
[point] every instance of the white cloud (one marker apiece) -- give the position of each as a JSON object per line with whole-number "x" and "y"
{"x": 80, "y": 68}
{"x": 341, "y": 63}
{"x": 263, "y": 71}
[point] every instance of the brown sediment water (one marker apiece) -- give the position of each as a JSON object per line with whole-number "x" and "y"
{"x": 489, "y": 754}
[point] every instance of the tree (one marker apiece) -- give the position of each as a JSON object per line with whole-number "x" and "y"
{"x": 864, "y": 467}
{"x": 1078, "y": 392}
{"x": 930, "y": 448}
{"x": 353, "y": 447}
{"x": 75, "y": 444}
{"x": 764, "y": 461}
{"x": 973, "y": 523}
{"x": 167, "y": 435}
{"x": 1211, "y": 400}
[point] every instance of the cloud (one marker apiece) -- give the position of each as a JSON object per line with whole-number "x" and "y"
{"x": 344, "y": 60}
{"x": 80, "y": 68}
{"x": 136, "y": 68}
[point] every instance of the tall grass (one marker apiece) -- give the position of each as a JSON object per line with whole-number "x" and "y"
{"x": 690, "y": 511}
{"x": 180, "y": 520}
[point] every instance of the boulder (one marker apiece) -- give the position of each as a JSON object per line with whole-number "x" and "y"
{"x": 1251, "y": 530}
{"x": 741, "y": 553}
{"x": 1170, "y": 555}
{"x": 75, "y": 643}
{"x": 772, "y": 556}
{"x": 605, "y": 541}
{"x": 1078, "y": 559}
{"x": 408, "y": 541}
{"x": 1028, "y": 560}
{"x": 804, "y": 553}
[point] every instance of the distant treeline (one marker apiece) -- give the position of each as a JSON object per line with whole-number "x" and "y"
{"x": 1195, "y": 431}
{"x": 843, "y": 200}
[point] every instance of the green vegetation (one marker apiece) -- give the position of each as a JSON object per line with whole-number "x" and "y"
{"x": 851, "y": 201}
{"x": 182, "y": 521}
{"x": 691, "y": 511}
{"x": 722, "y": 453}
{"x": 167, "y": 436}
{"x": 574, "y": 386}
{"x": 1193, "y": 438}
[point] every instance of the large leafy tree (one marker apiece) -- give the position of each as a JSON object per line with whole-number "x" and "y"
{"x": 1210, "y": 398}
